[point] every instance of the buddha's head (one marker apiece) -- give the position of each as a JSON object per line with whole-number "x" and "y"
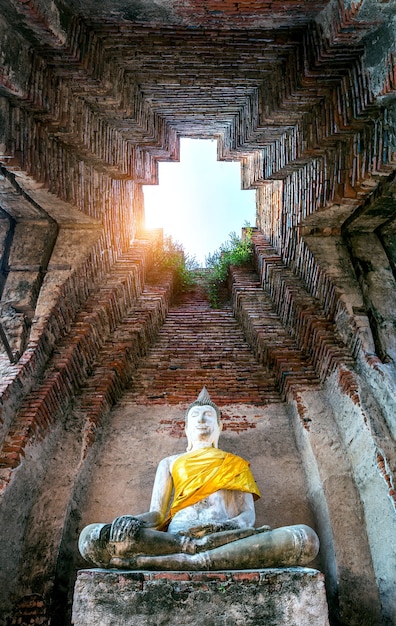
{"x": 203, "y": 425}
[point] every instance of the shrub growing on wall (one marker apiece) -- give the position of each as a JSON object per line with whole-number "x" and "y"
{"x": 169, "y": 255}
{"x": 235, "y": 251}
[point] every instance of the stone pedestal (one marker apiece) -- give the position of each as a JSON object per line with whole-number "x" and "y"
{"x": 274, "y": 597}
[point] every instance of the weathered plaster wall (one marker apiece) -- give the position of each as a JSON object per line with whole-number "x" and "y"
{"x": 336, "y": 501}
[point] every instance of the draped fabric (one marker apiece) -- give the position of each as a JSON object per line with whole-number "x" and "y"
{"x": 198, "y": 474}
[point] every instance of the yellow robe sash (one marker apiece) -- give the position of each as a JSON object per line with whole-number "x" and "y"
{"x": 198, "y": 474}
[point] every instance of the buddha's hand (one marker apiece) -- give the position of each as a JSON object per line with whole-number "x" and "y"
{"x": 125, "y": 527}
{"x": 215, "y": 527}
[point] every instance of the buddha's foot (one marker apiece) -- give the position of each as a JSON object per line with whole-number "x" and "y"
{"x": 214, "y": 540}
{"x": 171, "y": 562}
{"x": 263, "y": 529}
{"x": 122, "y": 563}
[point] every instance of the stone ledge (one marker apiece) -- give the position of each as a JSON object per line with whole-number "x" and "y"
{"x": 274, "y": 597}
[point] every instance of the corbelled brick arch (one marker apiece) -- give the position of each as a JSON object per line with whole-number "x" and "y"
{"x": 93, "y": 95}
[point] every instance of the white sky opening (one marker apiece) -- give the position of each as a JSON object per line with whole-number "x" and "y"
{"x": 199, "y": 200}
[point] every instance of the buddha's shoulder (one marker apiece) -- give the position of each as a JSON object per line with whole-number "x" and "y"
{"x": 168, "y": 461}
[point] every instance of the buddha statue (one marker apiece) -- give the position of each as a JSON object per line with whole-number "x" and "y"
{"x": 208, "y": 524}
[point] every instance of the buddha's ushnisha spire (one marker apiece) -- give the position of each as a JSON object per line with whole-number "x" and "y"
{"x": 203, "y": 400}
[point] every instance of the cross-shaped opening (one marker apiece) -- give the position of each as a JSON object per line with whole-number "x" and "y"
{"x": 199, "y": 201}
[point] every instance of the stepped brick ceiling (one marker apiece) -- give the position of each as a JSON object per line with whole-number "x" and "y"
{"x": 280, "y": 84}
{"x": 242, "y": 14}
{"x": 95, "y": 94}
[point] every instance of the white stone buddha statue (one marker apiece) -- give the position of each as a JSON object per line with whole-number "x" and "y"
{"x": 209, "y": 522}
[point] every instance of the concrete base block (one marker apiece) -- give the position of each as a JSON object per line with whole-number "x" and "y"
{"x": 274, "y": 597}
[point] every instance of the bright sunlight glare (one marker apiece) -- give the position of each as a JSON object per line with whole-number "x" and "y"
{"x": 199, "y": 201}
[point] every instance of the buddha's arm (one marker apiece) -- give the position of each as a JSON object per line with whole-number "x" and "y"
{"x": 123, "y": 526}
{"x": 161, "y": 494}
{"x": 246, "y": 516}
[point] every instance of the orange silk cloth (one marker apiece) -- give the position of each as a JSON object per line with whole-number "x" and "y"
{"x": 198, "y": 474}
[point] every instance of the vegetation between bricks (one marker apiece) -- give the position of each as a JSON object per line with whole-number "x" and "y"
{"x": 170, "y": 255}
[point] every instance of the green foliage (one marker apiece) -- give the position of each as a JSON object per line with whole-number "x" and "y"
{"x": 235, "y": 251}
{"x": 169, "y": 255}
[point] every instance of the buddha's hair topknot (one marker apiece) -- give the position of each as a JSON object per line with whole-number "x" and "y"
{"x": 203, "y": 400}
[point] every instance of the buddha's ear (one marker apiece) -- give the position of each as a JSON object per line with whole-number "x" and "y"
{"x": 215, "y": 443}
{"x": 189, "y": 444}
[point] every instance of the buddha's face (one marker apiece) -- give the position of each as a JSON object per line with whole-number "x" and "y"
{"x": 202, "y": 427}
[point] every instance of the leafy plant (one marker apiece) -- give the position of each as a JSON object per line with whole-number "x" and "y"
{"x": 169, "y": 255}
{"x": 235, "y": 251}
